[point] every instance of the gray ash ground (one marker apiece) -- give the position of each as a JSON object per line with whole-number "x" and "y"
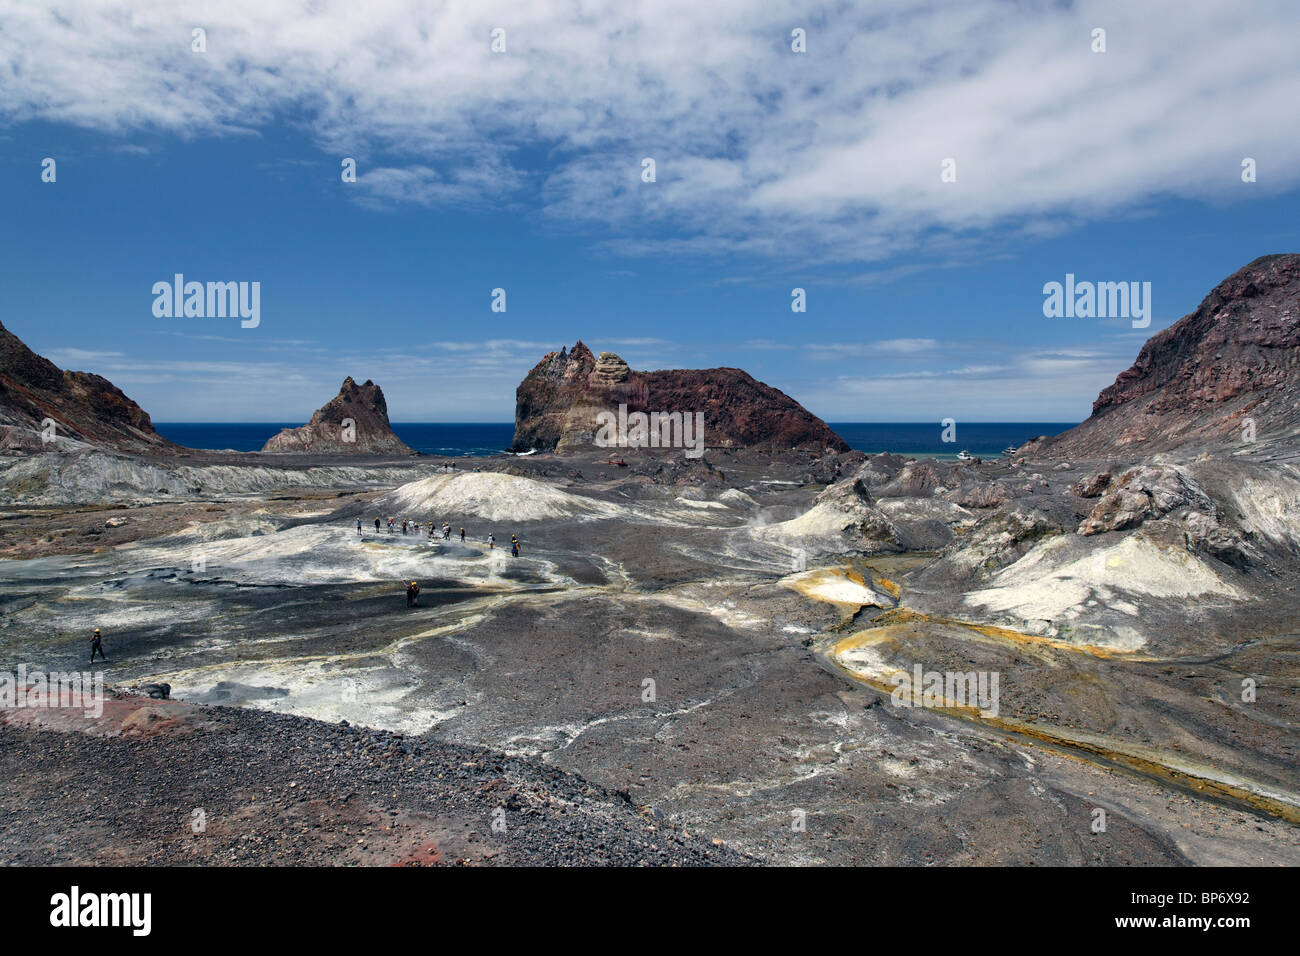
{"x": 275, "y": 789}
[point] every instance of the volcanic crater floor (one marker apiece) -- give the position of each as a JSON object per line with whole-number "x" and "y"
{"x": 650, "y": 681}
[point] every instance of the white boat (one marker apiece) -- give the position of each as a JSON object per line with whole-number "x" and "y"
{"x": 964, "y": 455}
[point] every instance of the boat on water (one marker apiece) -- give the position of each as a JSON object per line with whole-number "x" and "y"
{"x": 964, "y": 455}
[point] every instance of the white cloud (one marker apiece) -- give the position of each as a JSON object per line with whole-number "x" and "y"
{"x": 832, "y": 155}
{"x": 1031, "y": 385}
{"x": 890, "y": 347}
{"x": 74, "y": 358}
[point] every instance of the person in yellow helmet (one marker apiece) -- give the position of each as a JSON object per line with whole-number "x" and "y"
{"x": 413, "y": 594}
{"x": 97, "y": 645}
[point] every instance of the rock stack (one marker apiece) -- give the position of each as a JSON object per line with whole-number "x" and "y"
{"x": 354, "y": 422}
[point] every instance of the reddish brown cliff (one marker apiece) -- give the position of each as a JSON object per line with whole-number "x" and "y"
{"x": 85, "y": 407}
{"x": 557, "y": 404}
{"x": 1208, "y": 379}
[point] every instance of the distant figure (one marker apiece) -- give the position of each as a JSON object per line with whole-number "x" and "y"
{"x": 376, "y": 525}
{"x": 462, "y": 535}
{"x": 492, "y": 541}
{"x": 413, "y": 594}
{"x": 446, "y": 531}
{"x": 358, "y": 527}
{"x": 97, "y": 646}
{"x": 514, "y": 548}
{"x": 390, "y": 524}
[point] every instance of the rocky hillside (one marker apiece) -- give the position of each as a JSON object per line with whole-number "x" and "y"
{"x": 280, "y": 790}
{"x": 1206, "y": 378}
{"x": 353, "y": 422}
{"x": 557, "y": 404}
{"x": 86, "y": 408}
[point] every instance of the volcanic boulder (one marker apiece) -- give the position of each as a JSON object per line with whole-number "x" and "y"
{"x": 85, "y": 407}
{"x": 557, "y": 404}
{"x": 354, "y": 422}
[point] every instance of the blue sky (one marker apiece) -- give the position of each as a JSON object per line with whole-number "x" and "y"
{"x": 522, "y": 170}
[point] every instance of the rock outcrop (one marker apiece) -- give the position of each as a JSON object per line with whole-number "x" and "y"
{"x": 557, "y": 404}
{"x": 85, "y": 408}
{"x": 1227, "y": 375}
{"x": 354, "y": 422}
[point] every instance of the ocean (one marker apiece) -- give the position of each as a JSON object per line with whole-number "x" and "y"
{"x": 919, "y": 439}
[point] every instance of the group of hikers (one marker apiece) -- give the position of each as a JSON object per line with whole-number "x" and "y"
{"x": 413, "y": 527}
{"x": 408, "y": 526}
{"x": 514, "y": 543}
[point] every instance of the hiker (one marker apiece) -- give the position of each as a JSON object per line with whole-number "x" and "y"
{"x": 376, "y": 526}
{"x": 462, "y": 535}
{"x": 97, "y": 644}
{"x": 390, "y": 524}
{"x": 492, "y": 541}
{"x": 412, "y": 594}
{"x": 514, "y": 547}
{"x": 358, "y": 527}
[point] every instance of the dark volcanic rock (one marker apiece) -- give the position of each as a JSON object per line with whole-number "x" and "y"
{"x": 557, "y": 403}
{"x": 354, "y": 422}
{"x": 1236, "y": 358}
{"x": 85, "y": 407}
